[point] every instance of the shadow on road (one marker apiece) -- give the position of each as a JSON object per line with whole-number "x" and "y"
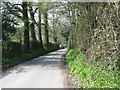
{"x": 50, "y": 61}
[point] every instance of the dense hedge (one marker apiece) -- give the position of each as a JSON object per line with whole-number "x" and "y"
{"x": 93, "y": 74}
{"x": 95, "y": 31}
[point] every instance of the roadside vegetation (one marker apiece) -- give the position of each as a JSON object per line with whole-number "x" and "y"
{"x": 93, "y": 54}
{"x": 23, "y": 36}
{"x": 90, "y": 31}
{"x": 17, "y": 56}
{"x": 92, "y": 74}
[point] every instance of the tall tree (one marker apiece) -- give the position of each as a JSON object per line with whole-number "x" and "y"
{"x": 54, "y": 27}
{"x": 23, "y": 9}
{"x": 26, "y": 26}
{"x": 39, "y": 24}
{"x": 46, "y": 27}
{"x": 47, "y": 7}
{"x": 32, "y": 24}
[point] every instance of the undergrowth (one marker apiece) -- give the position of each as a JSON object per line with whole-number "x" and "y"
{"x": 18, "y": 57}
{"x": 92, "y": 74}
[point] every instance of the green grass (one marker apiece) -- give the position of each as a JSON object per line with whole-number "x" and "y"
{"x": 93, "y": 74}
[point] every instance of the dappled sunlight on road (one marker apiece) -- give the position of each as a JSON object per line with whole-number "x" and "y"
{"x": 41, "y": 71}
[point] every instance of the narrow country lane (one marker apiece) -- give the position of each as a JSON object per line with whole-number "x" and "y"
{"x": 41, "y": 72}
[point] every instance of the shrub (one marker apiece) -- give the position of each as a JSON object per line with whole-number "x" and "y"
{"x": 5, "y": 62}
{"x": 35, "y": 45}
{"x": 11, "y": 49}
{"x": 14, "y": 46}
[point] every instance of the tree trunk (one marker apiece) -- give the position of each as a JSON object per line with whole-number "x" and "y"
{"x": 26, "y": 27}
{"x": 39, "y": 27}
{"x": 54, "y": 29}
{"x": 32, "y": 26}
{"x": 46, "y": 29}
{"x": 70, "y": 39}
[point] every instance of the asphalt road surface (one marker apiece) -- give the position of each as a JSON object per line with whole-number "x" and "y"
{"x": 41, "y": 72}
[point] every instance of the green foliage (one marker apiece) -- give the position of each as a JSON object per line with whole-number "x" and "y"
{"x": 16, "y": 57}
{"x": 12, "y": 49}
{"x": 15, "y": 46}
{"x": 8, "y": 21}
{"x": 95, "y": 32}
{"x": 5, "y": 62}
{"x": 92, "y": 74}
{"x": 35, "y": 44}
{"x": 65, "y": 32}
